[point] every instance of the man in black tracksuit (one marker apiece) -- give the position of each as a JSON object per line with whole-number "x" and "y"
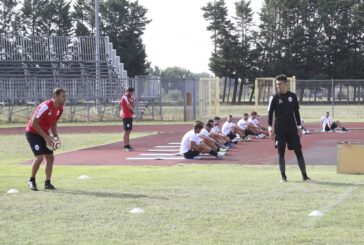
{"x": 287, "y": 126}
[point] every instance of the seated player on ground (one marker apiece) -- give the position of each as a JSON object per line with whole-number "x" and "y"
{"x": 329, "y": 125}
{"x": 205, "y": 137}
{"x": 262, "y": 131}
{"x": 231, "y": 130}
{"x": 249, "y": 128}
{"x": 190, "y": 147}
{"x": 304, "y": 129}
{"x": 216, "y": 134}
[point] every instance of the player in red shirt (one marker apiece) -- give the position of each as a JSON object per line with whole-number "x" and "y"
{"x": 126, "y": 113}
{"x": 44, "y": 120}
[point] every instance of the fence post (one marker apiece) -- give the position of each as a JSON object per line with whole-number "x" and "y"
{"x": 333, "y": 97}
{"x": 256, "y": 94}
{"x": 194, "y": 99}
{"x": 184, "y": 101}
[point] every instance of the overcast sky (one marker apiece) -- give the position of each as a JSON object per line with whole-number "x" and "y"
{"x": 177, "y": 35}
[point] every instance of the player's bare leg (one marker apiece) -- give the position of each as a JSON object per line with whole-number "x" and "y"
{"x": 35, "y": 167}
{"x": 48, "y": 171}
{"x": 36, "y": 164}
{"x": 126, "y": 137}
{"x": 204, "y": 148}
{"x": 211, "y": 144}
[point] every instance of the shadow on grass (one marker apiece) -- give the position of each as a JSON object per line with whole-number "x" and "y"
{"x": 109, "y": 194}
{"x": 330, "y": 183}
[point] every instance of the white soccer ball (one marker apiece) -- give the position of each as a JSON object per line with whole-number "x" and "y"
{"x": 56, "y": 144}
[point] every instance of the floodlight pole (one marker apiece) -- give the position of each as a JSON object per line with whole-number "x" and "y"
{"x": 97, "y": 58}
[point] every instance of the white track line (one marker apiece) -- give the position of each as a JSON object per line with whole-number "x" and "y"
{"x": 166, "y": 146}
{"x": 159, "y": 154}
{"x": 174, "y": 143}
{"x": 155, "y": 158}
{"x": 162, "y": 150}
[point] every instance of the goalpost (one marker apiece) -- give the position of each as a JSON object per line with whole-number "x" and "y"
{"x": 208, "y": 94}
{"x": 265, "y": 87}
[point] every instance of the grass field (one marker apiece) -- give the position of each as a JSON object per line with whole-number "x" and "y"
{"x": 185, "y": 204}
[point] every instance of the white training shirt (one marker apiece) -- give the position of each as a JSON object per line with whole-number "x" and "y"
{"x": 215, "y": 129}
{"x": 326, "y": 121}
{"x": 255, "y": 121}
{"x": 186, "y": 140}
{"x": 243, "y": 124}
{"x": 204, "y": 132}
{"x": 226, "y": 127}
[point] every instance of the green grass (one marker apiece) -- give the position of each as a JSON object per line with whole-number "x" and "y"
{"x": 185, "y": 204}
{"x": 15, "y": 148}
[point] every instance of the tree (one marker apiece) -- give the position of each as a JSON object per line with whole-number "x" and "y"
{"x": 33, "y": 13}
{"x": 9, "y": 17}
{"x": 62, "y": 22}
{"x": 244, "y": 23}
{"x": 84, "y": 17}
{"x": 223, "y": 59}
{"x": 125, "y": 22}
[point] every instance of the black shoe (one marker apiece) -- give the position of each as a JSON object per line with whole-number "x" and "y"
{"x": 344, "y": 129}
{"x": 32, "y": 185}
{"x": 305, "y": 178}
{"x": 49, "y": 187}
{"x": 284, "y": 180}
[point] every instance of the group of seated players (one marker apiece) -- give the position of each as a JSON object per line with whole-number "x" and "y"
{"x": 209, "y": 139}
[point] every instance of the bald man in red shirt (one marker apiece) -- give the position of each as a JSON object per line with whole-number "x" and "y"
{"x": 126, "y": 113}
{"x": 44, "y": 119}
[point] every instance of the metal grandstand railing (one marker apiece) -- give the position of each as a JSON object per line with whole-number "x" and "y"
{"x": 31, "y": 67}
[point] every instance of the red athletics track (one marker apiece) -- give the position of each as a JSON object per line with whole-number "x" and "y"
{"x": 318, "y": 148}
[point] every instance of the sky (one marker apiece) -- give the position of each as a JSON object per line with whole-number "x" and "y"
{"x": 177, "y": 35}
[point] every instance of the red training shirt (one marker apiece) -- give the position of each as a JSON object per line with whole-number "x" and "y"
{"x": 47, "y": 115}
{"x": 125, "y": 112}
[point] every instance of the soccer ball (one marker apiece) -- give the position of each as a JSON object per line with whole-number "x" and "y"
{"x": 56, "y": 144}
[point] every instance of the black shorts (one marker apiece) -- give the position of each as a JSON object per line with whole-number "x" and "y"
{"x": 38, "y": 144}
{"x": 333, "y": 126}
{"x": 231, "y": 135}
{"x": 190, "y": 154}
{"x": 289, "y": 138}
{"x": 128, "y": 124}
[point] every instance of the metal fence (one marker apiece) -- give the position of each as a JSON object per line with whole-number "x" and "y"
{"x": 155, "y": 98}
{"x": 344, "y": 98}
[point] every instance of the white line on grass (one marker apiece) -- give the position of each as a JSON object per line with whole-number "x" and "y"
{"x": 340, "y": 199}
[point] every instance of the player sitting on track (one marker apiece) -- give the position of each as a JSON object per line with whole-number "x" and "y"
{"x": 329, "y": 125}
{"x": 259, "y": 129}
{"x": 43, "y": 120}
{"x": 216, "y": 134}
{"x": 304, "y": 129}
{"x": 191, "y": 145}
{"x": 231, "y": 130}
{"x": 205, "y": 136}
{"x": 249, "y": 128}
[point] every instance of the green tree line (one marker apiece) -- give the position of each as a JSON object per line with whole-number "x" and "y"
{"x": 311, "y": 39}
